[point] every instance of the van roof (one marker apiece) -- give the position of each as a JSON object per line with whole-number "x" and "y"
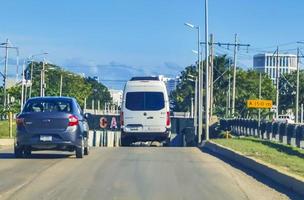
{"x": 145, "y": 85}
{"x": 145, "y": 78}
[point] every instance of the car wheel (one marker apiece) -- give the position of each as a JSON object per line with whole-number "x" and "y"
{"x": 166, "y": 143}
{"x": 80, "y": 150}
{"x": 18, "y": 151}
{"x": 86, "y": 150}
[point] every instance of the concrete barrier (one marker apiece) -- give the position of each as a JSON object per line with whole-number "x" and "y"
{"x": 7, "y": 142}
{"x": 105, "y": 138}
{"x": 284, "y": 179}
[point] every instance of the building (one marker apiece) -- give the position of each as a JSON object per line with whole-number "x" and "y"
{"x": 171, "y": 83}
{"x": 267, "y": 63}
{"x": 116, "y": 96}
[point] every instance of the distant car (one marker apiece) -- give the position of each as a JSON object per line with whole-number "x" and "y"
{"x": 51, "y": 123}
{"x": 145, "y": 114}
{"x": 285, "y": 119}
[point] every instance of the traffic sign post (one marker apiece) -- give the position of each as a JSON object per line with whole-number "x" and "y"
{"x": 259, "y": 104}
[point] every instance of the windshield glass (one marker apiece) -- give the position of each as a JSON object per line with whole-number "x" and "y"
{"x": 48, "y": 106}
{"x": 145, "y": 101}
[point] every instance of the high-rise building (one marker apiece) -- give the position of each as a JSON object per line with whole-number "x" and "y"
{"x": 171, "y": 83}
{"x": 267, "y": 63}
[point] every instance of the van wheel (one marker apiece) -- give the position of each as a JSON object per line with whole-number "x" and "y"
{"x": 18, "y": 151}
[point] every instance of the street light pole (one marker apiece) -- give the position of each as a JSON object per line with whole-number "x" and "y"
{"x": 207, "y": 70}
{"x": 200, "y": 83}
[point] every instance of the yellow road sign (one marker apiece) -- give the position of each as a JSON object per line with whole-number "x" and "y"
{"x": 259, "y": 103}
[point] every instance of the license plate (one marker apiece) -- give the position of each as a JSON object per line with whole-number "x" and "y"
{"x": 45, "y": 138}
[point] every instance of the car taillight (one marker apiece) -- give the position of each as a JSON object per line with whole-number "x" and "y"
{"x": 168, "y": 122}
{"x": 73, "y": 120}
{"x": 19, "y": 121}
{"x": 121, "y": 119}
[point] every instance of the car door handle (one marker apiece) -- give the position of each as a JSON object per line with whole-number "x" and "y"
{"x": 149, "y": 117}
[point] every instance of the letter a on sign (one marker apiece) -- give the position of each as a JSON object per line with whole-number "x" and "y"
{"x": 113, "y": 123}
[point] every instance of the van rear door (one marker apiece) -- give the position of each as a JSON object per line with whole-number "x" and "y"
{"x": 146, "y": 112}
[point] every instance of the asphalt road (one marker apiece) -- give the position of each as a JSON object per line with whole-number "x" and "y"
{"x": 129, "y": 173}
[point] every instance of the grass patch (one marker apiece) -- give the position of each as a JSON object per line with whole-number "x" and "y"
{"x": 4, "y": 129}
{"x": 284, "y": 157}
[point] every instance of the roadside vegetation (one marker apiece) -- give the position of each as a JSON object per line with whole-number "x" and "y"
{"x": 247, "y": 87}
{"x": 73, "y": 85}
{"x": 283, "y": 157}
{"x": 4, "y": 129}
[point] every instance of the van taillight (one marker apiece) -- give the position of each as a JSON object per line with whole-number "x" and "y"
{"x": 121, "y": 119}
{"x": 19, "y": 121}
{"x": 73, "y": 120}
{"x": 168, "y": 122}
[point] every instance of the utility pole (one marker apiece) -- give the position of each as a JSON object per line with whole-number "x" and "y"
{"x": 236, "y": 46}
{"x": 234, "y": 74}
{"x": 22, "y": 87}
{"x": 277, "y": 83}
{"x": 5, "y": 74}
{"x": 32, "y": 68}
{"x": 298, "y": 82}
{"x": 42, "y": 81}
{"x": 211, "y": 74}
{"x": 260, "y": 96}
{"x": 229, "y": 89}
{"x": 207, "y": 71}
{"x": 60, "y": 90}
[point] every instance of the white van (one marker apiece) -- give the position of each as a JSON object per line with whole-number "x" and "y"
{"x": 145, "y": 113}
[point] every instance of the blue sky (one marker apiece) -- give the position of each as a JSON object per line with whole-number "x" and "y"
{"x": 116, "y": 39}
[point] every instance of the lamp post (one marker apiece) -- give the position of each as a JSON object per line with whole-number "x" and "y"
{"x": 200, "y": 83}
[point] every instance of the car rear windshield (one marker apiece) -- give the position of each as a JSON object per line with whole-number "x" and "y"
{"x": 145, "y": 101}
{"x": 48, "y": 106}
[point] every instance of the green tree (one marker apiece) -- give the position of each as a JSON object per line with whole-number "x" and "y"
{"x": 98, "y": 92}
{"x": 288, "y": 91}
{"x": 247, "y": 87}
{"x": 181, "y": 97}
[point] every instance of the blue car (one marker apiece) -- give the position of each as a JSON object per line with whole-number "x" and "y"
{"x": 51, "y": 123}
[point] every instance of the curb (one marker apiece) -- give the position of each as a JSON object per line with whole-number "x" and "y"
{"x": 275, "y": 175}
{"x": 7, "y": 142}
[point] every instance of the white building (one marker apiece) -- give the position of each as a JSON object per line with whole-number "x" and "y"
{"x": 171, "y": 83}
{"x": 267, "y": 63}
{"x": 116, "y": 96}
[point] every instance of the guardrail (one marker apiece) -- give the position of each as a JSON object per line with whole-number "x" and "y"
{"x": 291, "y": 134}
